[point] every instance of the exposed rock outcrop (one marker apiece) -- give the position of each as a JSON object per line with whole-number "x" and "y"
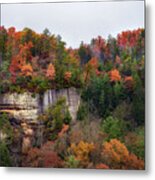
{"x": 24, "y": 109}
{"x": 28, "y": 107}
{"x": 72, "y": 99}
{"x": 20, "y": 106}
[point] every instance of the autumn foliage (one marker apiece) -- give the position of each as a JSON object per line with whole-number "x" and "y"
{"x": 82, "y": 151}
{"x": 129, "y": 82}
{"x": 26, "y": 70}
{"x": 109, "y": 78}
{"x": 94, "y": 63}
{"x": 63, "y": 130}
{"x": 133, "y": 162}
{"x": 114, "y": 75}
{"x": 129, "y": 38}
{"x": 67, "y": 75}
{"x": 50, "y": 72}
{"x": 19, "y": 64}
{"x": 117, "y": 156}
{"x": 102, "y": 166}
{"x": 44, "y": 157}
{"x": 115, "y": 152}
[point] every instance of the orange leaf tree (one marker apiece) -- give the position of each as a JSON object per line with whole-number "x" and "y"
{"x": 67, "y": 75}
{"x": 114, "y": 75}
{"x": 90, "y": 68}
{"x": 114, "y": 153}
{"x": 20, "y": 60}
{"x": 26, "y": 70}
{"x": 50, "y": 72}
{"x": 117, "y": 156}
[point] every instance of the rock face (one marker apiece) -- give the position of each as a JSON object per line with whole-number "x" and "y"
{"x": 25, "y": 106}
{"x": 72, "y": 99}
{"x": 20, "y": 106}
{"x": 24, "y": 109}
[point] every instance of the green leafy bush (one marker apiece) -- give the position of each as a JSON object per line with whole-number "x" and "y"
{"x": 82, "y": 112}
{"x": 135, "y": 142}
{"x": 114, "y": 127}
{"x": 5, "y": 159}
{"x": 54, "y": 118}
{"x": 6, "y": 128}
{"x": 67, "y": 118}
{"x": 72, "y": 162}
{"x": 38, "y": 84}
{"x": 4, "y": 86}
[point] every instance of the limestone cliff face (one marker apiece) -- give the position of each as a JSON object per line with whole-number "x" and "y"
{"x": 20, "y": 106}
{"x": 72, "y": 99}
{"x": 24, "y": 110}
{"x": 25, "y": 106}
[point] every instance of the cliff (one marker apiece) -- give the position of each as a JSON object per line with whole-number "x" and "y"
{"x": 27, "y": 107}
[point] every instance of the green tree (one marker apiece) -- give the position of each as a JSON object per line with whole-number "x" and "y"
{"x": 114, "y": 127}
{"x": 5, "y": 158}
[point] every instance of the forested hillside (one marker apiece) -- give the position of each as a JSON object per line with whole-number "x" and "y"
{"x": 109, "y": 76}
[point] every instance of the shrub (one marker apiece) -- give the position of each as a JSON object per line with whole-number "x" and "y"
{"x": 72, "y": 162}
{"x": 4, "y": 86}
{"x": 61, "y": 144}
{"x": 38, "y": 84}
{"x": 54, "y": 118}
{"x": 102, "y": 166}
{"x": 136, "y": 143}
{"x": 32, "y": 159}
{"x": 123, "y": 111}
{"x": 4, "y": 69}
{"x": 67, "y": 75}
{"x": 57, "y": 114}
{"x": 82, "y": 112}
{"x": 6, "y": 128}
{"x": 67, "y": 118}
{"x": 128, "y": 82}
{"x": 114, "y": 75}
{"x": 116, "y": 155}
{"x": 87, "y": 131}
{"x": 43, "y": 157}
{"x": 50, "y": 159}
{"x": 133, "y": 162}
{"x": 82, "y": 152}
{"x": 5, "y": 158}
{"x": 114, "y": 127}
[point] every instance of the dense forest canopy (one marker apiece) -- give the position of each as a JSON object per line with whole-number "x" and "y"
{"x": 26, "y": 57}
{"x": 110, "y": 75}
